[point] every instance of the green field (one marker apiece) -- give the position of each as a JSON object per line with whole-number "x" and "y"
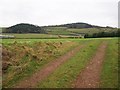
{"x": 26, "y": 58}
{"x": 109, "y": 76}
{"x": 31, "y": 36}
{"x": 63, "y": 32}
{"x": 92, "y": 30}
{"x": 0, "y": 30}
{"x": 69, "y": 31}
{"x": 67, "y": 73}
{"x": 23, "y": 57}
{"x": 58, "y": 31}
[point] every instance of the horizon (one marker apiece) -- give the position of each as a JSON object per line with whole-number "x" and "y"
{"x": 56, "y": 12}
{"x": 55, "y": 24}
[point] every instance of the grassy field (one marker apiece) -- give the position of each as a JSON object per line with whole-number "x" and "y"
{"x": 10, "y": 41}
{"x": 109, "y": 75}
{"x": 58, "y": 31}
{"x": 67, "y": 73}
{"x": 69, "y": 31}
{"x": 30, "y": 36}
{"x": 42, "y": 36}
{"x": 0, "y": 30}
{"x": 25, "y": 56}
{"x": 92, "y": 30}
{"x": 55, "y": 32}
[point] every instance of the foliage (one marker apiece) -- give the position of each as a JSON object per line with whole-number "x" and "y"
{"x": 72, "y": 29}
{"x": 103, "y": 34}
{"x": 24, "y": 28}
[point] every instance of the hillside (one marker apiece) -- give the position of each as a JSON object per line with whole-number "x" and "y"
{"x": 78, "y": 25}
{"x": 29, "y": 28}
{"x": 88, "y": 32}
{"x": 72, "y": 29}
{"x": 24, "y": 28}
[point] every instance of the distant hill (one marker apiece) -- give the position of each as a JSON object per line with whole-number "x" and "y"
{"x": 71, "y": 29}
{"x": 29, "y": 28}
{"x": 78, "y": 25}
{"x": 76, "y": 29}
{"x": 24, "y": 28}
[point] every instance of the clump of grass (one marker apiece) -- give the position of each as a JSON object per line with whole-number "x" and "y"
{"x": 26, "y": 58}
{"x": 64, "y": 75}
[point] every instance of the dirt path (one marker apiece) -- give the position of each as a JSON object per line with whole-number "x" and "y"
{"x": 49, "y": 68}
{"x": 90, "y": 76}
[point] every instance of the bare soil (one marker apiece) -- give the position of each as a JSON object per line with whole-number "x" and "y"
{"x": 90, "y": 76}
{"x": 32, "y": 81}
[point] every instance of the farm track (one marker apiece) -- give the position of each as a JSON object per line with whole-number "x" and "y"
{"x": 90, "y": 76}
{"x": 32, "y": 81}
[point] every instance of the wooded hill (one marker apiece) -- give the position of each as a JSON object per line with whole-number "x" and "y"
{"x": 24, "y": 28}
{"x": 29, "y": 28}
{"x": 78, "y": 25}
{"x": 71, "y": 29}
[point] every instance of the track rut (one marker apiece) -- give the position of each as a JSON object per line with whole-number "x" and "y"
{"x": 32, "y": 81}
{"x": 90, "y": 76}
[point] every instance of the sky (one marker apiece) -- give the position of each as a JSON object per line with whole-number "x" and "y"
{"x": 119, "y": 14}
{"x": 55, "y": 12}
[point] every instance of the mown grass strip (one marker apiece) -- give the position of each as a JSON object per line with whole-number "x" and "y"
{"x": 67, "y": 73}
{"x": 109, "y": 74}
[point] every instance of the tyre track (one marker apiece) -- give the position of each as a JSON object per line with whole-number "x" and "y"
{"x": 90, "y": 76}
{"x": 32, "y": 81}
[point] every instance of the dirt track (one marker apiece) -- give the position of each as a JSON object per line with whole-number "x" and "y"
{"x": 32, "y": 81}
{"x": 90, "y": 76}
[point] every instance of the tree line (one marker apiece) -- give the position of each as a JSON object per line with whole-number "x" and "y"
{"x": 103, "y": 34}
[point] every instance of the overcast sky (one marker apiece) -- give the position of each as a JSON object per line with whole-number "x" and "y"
{"x": 52, "y": 12}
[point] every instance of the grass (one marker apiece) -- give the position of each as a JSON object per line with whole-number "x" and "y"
{"x": 109, "y": 75}
{"x": 53, "y": 32}
{"x": 30, "y": 36}
{"x": 70, "y": 31}
{"x": 0, "y": 30}
{"x": 64, "y": 75}
{"x": 87, "y": 30}
{"x": 11, "y": 41}
{"x": 25, "y": 65}
{"x": 58, "y": 31}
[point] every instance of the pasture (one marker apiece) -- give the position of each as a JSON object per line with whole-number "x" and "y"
{"x": 74, "y": 31}
{"x": 63, "y": 32}
{"x": 26, "y": 59}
